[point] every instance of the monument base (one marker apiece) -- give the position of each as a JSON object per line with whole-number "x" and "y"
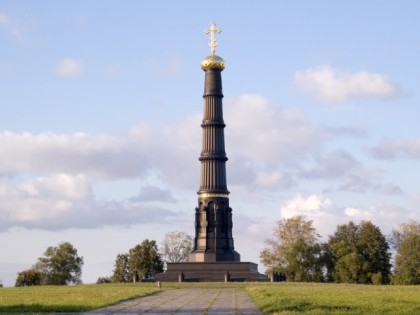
{"x": 211, "y": 272}
{"x": 203, "y": 256}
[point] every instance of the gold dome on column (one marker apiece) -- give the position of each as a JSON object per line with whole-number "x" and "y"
{"x": 213, "y": 61}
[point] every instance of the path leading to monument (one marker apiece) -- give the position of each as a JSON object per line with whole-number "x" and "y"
{"x": 187, "y": 301}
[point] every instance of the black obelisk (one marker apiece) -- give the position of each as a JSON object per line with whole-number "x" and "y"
{"x": 213, "y": 257}
{"x": 213, "y": 217}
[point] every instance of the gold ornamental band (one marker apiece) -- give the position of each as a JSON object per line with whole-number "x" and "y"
{"x": 210, "y": 195}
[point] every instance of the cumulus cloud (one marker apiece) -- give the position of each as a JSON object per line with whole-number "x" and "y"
{"x": 105, "y": 156}
{"x": 266, "y": 133}
{"x": 62, "y": 201}
{"x": 267, "y": 146}
{"x": 312, "y": 206}
{"x": 69, "y": 68}
{"x": 336, "y": 86}
{"x": 387, "y": 216}
{"x": 392, "y": 149}
{"x": 326, "y": 214}
{"x": 321, "y": 210}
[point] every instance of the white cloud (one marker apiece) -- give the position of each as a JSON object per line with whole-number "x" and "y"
{"x": 326, "y": 214}
{"x": 63, "y": 201}
{"x": 69, "y": 68}
{"x": 386, "y": 216}
{"x": 336, "y": 86}
{"x": 321, "y": 210}
{"x": 312, "y": 206}
{"x": 106, "y": 156}
{"x": 351, "y": 211}
{"x": 262, "y": 132}
{"x": 267, "y": 147}
{"x": 43, "y": 199}
{"x": 59, "y": 185}
{"x": 262, "y": 142}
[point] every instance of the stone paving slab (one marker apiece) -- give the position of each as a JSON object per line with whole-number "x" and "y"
{"x": 205, "y": 301}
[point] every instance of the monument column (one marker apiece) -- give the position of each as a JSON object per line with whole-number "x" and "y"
{"x": 213, "y": 240}
{"x": 213, "y": 257}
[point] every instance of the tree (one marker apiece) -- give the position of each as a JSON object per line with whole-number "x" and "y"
{"x": 141, "y": 261}
{"x": 61, "y": 265}
{"x": 144, "y": 260}
{"x": 360, "y": 254}
{"x": 403, "y": 231}
{"x": 176, "y": 247}
{"x": 29, "y": 277}
{"x": 122, "y": 271}
{"x": 374, "y": 249}
{"x": 406, "y": 240}
{"x": 294, "y": 250}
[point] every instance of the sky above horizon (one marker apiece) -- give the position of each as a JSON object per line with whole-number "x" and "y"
{"x": 101, "y": 105}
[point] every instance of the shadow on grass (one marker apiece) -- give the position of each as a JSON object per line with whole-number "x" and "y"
{"x": 307, "y": 307}
{"x": 39, "y": 308}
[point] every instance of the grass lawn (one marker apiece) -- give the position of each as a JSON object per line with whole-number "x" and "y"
{"x": 316, "y": 298}
{"x": 69, "y": 298}
{"x": 271, "y": 298}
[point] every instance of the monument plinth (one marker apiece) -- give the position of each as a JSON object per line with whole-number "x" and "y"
{"x": 213, "y": 257}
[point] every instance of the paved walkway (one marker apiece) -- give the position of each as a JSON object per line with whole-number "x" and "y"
{"x": 187, "y": 301}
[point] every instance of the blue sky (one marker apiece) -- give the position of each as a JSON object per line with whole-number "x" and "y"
{"x": 101, "y": 103}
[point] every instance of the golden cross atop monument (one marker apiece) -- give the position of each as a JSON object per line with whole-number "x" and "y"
{"x": 212, "y": 31}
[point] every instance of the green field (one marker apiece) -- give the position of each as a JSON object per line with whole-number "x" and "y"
{"x": 317, "y": 298}
{"x": 69, "y": 298}
{"x": 271, "y": 298}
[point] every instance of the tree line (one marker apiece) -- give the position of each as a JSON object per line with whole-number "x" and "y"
{"x": 144, "y": 260}
{"x": 61, "y": 264}
{"x": 355, "y": 253}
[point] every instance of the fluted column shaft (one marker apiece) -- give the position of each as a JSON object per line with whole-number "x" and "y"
{"x": 213, "y": 217}
{"x": 213, "y": 155}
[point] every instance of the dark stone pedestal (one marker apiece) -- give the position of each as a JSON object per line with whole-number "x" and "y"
{"x": 202, "y": 256}
{"x": 211, "y": 272}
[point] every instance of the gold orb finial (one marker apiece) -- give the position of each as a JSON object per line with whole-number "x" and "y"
{"x": 213, "y": 61}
